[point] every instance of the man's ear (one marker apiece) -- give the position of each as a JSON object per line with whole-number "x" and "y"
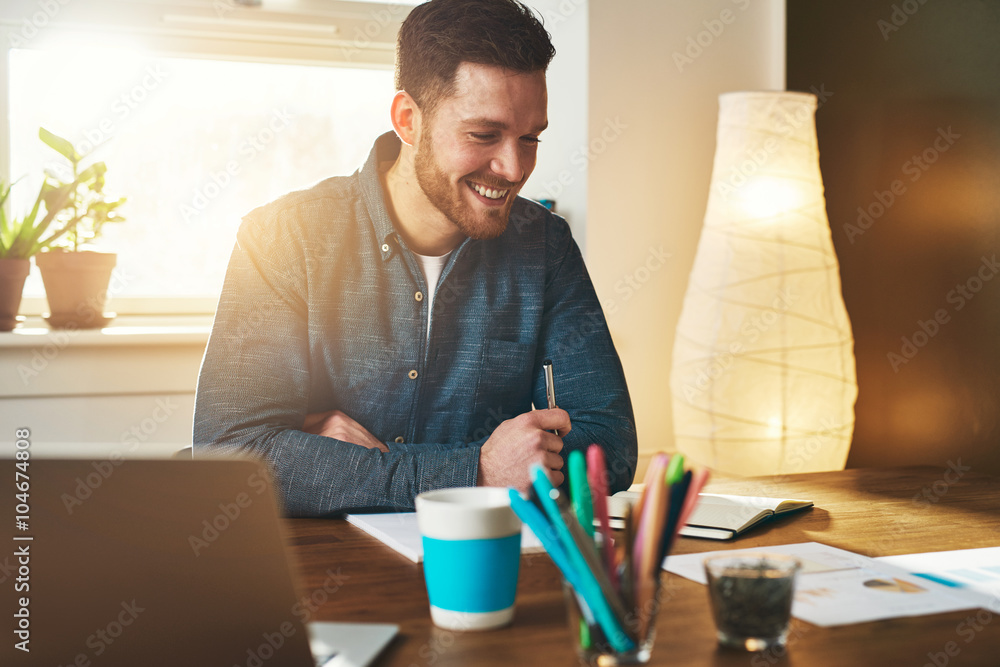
{"x": 406, "y": 118}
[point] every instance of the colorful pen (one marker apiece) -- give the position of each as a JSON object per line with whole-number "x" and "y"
{"x": 654, "y": 476}
{"x": 678, "y": 496}
{"x": 675, "y": 469}
{"x": 597, "y": 475}
{"x": 546, "y": 534}
{"x": 600, "y": 603}
{"x": 628, "y": 560}
{"x": 698, "y": 480}
{"x": 557, "y": 502}
{"x": 579, "y": 490}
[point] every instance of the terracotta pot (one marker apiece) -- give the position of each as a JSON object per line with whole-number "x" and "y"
{"x": 13, "y": 273}
{"x": 76, "y": 286}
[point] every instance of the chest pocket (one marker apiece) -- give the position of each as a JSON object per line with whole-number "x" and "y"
{"x": 504, "y": 387}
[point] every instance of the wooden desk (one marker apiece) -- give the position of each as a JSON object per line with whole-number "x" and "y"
{"x": 876, "y": 512}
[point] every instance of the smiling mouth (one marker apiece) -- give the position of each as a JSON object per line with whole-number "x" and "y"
{"x": 493, "y": 194}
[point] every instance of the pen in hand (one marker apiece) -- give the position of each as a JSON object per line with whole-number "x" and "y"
{"x": 550, "y": 386}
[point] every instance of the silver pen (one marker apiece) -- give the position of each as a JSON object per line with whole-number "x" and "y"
{"x": 550, "y": 386}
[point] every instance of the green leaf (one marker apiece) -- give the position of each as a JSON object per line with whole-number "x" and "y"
{"x": 94, "y": 172}
{"x": 55, "y": 201}
{"x": 6, "y": 230}
{"x": 60, "y": 145}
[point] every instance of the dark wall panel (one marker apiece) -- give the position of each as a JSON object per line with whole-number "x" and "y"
{"x": 909, "y": 137}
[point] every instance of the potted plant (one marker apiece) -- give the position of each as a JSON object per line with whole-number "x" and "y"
{"x": 20, "y": 239}
{"x": 76, "y": 278}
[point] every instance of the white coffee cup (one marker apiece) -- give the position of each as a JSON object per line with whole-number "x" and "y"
{"x": 472, "y": 552}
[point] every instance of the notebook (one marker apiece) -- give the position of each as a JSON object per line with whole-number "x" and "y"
{"x": 162, "y": 562}
{"x": 399, "y": 530}
{"x": 719, "y": 516}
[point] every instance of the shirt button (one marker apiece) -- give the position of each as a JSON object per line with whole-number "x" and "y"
{"x": 385, "y": 247}
{"x": 419, "y": 296}
{"x": 399, "y": 438}
{"x": 413, "y": 375}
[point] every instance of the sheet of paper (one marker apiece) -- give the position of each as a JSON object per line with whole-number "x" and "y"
{"x": 838, "y": 587}
{"x": 972, "y": 572}
{"x": 400, "y": 531}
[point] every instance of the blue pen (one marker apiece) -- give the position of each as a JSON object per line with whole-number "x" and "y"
{"x": 590, "y": 588}
{"x": 546, "y": 534}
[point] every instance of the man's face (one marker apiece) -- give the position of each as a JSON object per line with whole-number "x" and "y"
{"x": 477, "y": 148}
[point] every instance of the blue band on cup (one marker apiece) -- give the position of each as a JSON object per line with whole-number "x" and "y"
{"x": 456, "y": 588}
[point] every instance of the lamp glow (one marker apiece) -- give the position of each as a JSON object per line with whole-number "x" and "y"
{"x": 763, "y": 377}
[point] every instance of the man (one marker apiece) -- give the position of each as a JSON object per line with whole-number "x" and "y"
{"x": 382, "y": 334}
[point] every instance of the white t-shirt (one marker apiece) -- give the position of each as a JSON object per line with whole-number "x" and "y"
{"x": 432, "y": 268}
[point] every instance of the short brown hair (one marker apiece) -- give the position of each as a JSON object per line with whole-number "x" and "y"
{"x": 439, "y": 35}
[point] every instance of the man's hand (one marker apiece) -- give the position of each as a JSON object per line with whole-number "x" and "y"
{"x": 335, "y": 424}
{"x": 521, "y": 441}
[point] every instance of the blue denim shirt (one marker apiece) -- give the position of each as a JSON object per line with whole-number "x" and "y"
{"x": 323, "y": 308}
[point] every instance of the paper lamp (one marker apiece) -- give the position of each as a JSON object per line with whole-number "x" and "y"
{"x": 763, "y": 379}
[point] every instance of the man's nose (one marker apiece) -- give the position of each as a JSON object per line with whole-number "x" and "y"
{"x": 508, "y": 162}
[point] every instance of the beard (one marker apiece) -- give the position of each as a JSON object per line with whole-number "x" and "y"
{"x": 475, "y": 222}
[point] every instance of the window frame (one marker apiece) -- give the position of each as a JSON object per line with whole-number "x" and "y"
{"x": 297, "y": 32}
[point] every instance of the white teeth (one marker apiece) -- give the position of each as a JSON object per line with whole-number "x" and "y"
{"x": 488, "y": 193}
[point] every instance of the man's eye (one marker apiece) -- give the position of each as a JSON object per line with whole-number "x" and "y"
{"x": 534, "y": 141}
{"x": 482, "y": 136}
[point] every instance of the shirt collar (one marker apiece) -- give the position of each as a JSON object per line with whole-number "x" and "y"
{"x": 386, "y": 149}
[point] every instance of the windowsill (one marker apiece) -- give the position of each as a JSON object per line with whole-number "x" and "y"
{"x": 123, "y": 330}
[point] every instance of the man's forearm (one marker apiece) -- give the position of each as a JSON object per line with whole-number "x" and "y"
{"x": 319, "y": 476}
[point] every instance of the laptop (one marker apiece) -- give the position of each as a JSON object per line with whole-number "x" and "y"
{"x": 157, "y": 562}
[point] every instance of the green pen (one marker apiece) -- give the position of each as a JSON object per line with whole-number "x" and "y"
{"x": 583, "y": 506}
{"x": 579, "y": 491}
{"x": 675, "y": 469}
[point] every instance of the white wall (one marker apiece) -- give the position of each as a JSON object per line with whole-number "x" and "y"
{"x": 652, "y": 129}
{"x": 561, "y": 173}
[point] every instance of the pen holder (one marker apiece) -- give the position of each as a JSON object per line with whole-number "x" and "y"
{"x": 593, "y": 648}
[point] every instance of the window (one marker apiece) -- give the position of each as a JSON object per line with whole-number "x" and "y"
{"x": 194, "y": 144}
{"x": 201, "y": 109}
